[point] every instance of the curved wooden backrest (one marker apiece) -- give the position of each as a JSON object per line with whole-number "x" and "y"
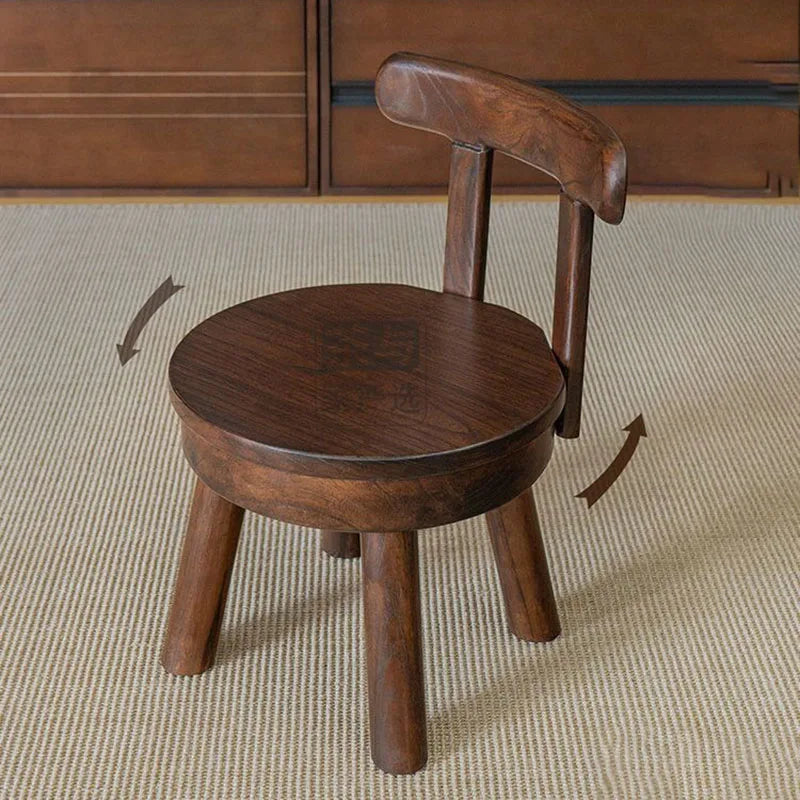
{"x": 488, "y": 110}
{"x": 480, "y": 112}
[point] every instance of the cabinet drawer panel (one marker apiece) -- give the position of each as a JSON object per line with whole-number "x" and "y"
{"x": 142, "y": 35}
{"x": 139, "y": 94}
{"x": 582, "y": 40}
{"x": 152, "y": 154}
{"x": 670, "y": 148}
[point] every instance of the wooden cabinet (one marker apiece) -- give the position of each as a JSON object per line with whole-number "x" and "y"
{"x": 276, "y": 96}
{"x": 704, "y": 95}
{"x": 185, "y": 95}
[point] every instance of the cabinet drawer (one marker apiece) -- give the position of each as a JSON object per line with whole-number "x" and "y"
{"x": 737, "y": 149}
{"x": 582, "y": 40}
{"x": 139, "y": 94}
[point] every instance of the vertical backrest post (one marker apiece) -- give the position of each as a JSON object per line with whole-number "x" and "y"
{"x": 468, "y": 201}
{"x": 571, "y": 308}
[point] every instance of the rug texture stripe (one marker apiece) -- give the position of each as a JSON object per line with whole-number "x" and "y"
{"x": 676, "y": 675}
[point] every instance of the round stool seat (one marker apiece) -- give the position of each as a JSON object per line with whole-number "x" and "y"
{"x": 366, "y": 382}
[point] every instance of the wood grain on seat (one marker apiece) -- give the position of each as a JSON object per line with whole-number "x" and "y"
{"x": 373, "y": 380}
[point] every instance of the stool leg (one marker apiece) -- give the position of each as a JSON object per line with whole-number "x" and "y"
{"x": 394, "y": 651}
{"x": 209, "y": 548}
{"x": 522, "y": 567}
{"x": 341, "y": 544}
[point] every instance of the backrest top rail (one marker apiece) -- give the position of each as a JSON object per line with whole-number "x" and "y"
{"x": 481, "y": 109}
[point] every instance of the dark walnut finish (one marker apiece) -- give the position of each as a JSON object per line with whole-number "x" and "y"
{"x": 522, "y": 568}
{"x": 367, "y": 380}
{"x": 394, "y": 651}
{"x": 371, "y": 411}
{"x": 467, "y": 221}
{"x": 571, "y": 308}
{"x": 367, "y": 407}
{"x": 501, "y": 113}
{"x": 202, "y": 583}
{"x": 341, "y": 544}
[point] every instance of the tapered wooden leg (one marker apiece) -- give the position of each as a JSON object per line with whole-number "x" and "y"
{"x": 341, "y": 544}
{"x": 394, "y": 651}
{"x": 522, "y": 566}
{"x": 209, "y": 548}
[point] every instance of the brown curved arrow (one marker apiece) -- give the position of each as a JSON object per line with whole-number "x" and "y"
{"x": 125, "y": 351}
{"x": 596, "y": 490}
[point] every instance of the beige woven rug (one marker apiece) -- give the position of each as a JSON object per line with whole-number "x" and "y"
{"x": 677, "y": 672}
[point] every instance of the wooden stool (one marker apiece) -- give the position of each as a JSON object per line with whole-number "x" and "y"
{"x": 373, "y": 410}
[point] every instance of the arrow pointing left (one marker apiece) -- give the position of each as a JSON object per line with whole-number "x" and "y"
{"x": 125, "y": 351}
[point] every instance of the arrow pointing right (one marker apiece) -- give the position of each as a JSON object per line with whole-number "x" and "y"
{"x": 596, "y": 490}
